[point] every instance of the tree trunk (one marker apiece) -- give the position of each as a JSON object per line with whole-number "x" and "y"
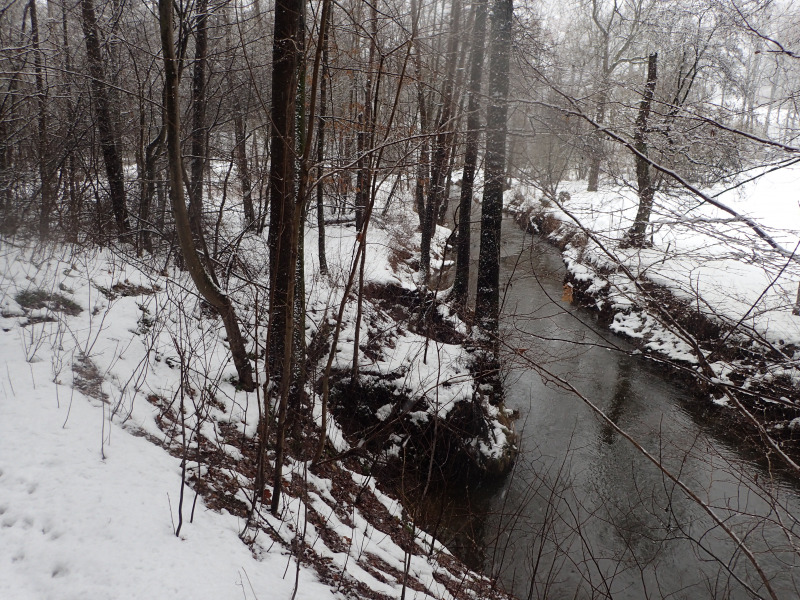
{"x": 6, "y": 217}
{"x": 298, "y": 362}
{"x": 199, "y": 130}
{"x": 69, "y": 169}
{"x": 636, "y": 234}
{"x": 151, "y": 155}
{"x": 43, "y": 150}
{"x": 242, "y": 166}
{"x": 460, "y": 292}
{"x": 361, "y": 170}
{"x": 103, "y": 118}
{"x": 323, "y": 108}
{"x": 284, "y": 222}
{"x": 423, "y": 168}
{"x": 596, "y": 145}
{"x": 240, "y": 109}
{"x": 211, "y": 292}
{"x": 487, "y": 305}
{"x": 363, "y": 177}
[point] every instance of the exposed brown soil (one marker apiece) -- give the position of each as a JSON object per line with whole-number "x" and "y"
{"x": 219, "y": 481}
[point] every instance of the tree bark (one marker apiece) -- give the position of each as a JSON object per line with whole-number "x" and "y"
{"x": 43, "y": 150}
{"x": 152, "y": 152}
{"x": 460, "y": 292}
{"x": 199, "y": 131}
{"x": 366, "y": 123}
{"x": 303, "y": 127}
{"x": 636, "y": 235}
{"x": 103, "y": 118}
{"x": 284, "y": 222}
{"x": 423, "y": 168}
{"x": 207, "y": 288}
{"x": 488, "y": 300}
{"x": 596, "y": 145}
{"x": 240, "y": 135}
{"x": 323, "y": 108}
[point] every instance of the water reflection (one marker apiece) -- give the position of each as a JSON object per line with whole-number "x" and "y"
{"x": 584, "y": 515}
{"x": 622, "y": 394}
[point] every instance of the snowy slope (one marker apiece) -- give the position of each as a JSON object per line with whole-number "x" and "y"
{"x": 77, "y": 525}
{"x": 87, "y": 508}
{"x": 93, "y": 348}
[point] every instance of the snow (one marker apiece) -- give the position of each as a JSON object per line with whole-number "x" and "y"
{"x": 76, "y": 525}
{"x": 698, "y": 251}
{"x": 88, "y": 506}
{"x": 420, "y": 367}
{"x": 713, "y": 263}
{"x": 90, "y": 404}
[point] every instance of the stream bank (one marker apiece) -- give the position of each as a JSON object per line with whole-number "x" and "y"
{"x": 658, "y": 323}
{"x": 446, "y": 429}
{"x": 583, "y": 514}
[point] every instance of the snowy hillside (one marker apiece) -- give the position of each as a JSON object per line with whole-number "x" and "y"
{"x": 94, "y": 423}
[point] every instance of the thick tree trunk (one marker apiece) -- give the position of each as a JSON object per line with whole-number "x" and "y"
{"x": 636, "y": 235}
{"x": 423, "y": 172}
{"x": 69, "y": 169}
{"x": 284, "y": 221}
{"x": 207, "y": 288}
{"x": 596, "y": 146}
{"x": 103, "y": 118}
{"x": 488, "y": 300}
{"x": 298, "y": 363}
{"x": 461, "y": 284}
{"x": 361, "y": 171}
{"x": 282, "y": 182}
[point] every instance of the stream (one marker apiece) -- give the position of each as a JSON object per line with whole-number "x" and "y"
{"x": 584, "y": 514}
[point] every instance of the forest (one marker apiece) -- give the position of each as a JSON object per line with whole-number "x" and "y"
{"x": 400, "y": 299}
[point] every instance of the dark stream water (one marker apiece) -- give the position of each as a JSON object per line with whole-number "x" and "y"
{"x": 584, "y": 514}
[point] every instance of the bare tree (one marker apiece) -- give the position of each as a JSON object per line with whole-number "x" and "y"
{"x": 461, "y": 283}
{"x": 104, "y": 120}
{"x": 284, "y": 219}
{"x": 199, "y": 132}
{"x": 204, "y": 281}
{"x": 636, "y": 234}
{"x": 618, "y": 26}
{"x": 488, "y": 300}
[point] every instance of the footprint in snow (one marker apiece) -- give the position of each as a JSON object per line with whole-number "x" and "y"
{"x": 59, "y": 570}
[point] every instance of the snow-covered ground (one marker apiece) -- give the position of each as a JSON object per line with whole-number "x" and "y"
{"x": 88, "y": 506}
{"x": 93, "y": 422}
{"x": 714, "y": 263}
{"x": 419, "y": 367}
